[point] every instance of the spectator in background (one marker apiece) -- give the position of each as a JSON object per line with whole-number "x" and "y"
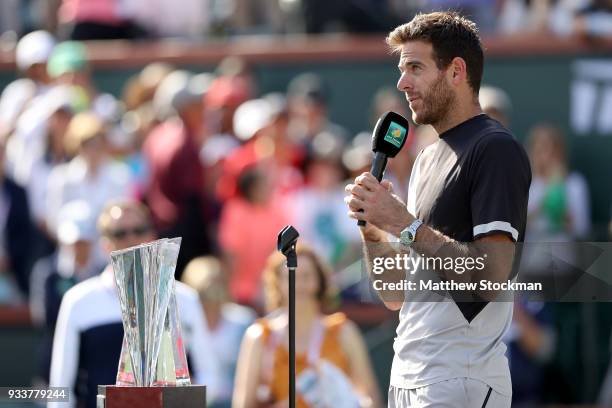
{"x": 33, "y": 156}
{"x": 26, "y": 145}
{"x": 140, "y": 89}
{"x": 533, "y": 16}
{"x": 91, "y": 175}
{"x": 317, "y": 209}
{"x": 68, "y": 65}
{"x": 532, "y": 343}
{"x": 139, "y": 120}
{"x": 256, "y": 180}
{"x": 162, "y": 18}
{"x": 236, "y": 67}
{"x": 326, "y": 370}
{"x": 14, "y": 100}
{"x": 588, "y": 18}
{"x": 33, "y": 162}
{"x": 179, "y": 202}
{"x": 369, "y": 16}
{"x": 31, "y": 56}
{"x": 308, "y": 98}
{"x": 226, "y": 93}
{"x": 247, "y": 232}
{"x": 495, "y": 103}
{"x": 262, "y": 125}
{"x": 15, "y": 229}
{"x": 54, "y": 275}
{"x": 357, "y": 157}
{"x": 89, "y": 331}
{"x": 387, "y": 99}
{"x": 254, "y": 17}
{"x": 558, "y": 216}
{"x": 482, "y": 12}
{"x": 71, "y": 80}
{"x": 594, "y": 20}
{"x": 559, "y": 204}
{"x": 97, "y": 20}
{"x": 226, "y": 321}
{"x": 10, "y": 295}
{"x": 9, "y": 16}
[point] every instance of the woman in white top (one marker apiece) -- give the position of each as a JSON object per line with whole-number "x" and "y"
{"x": 91, "y": 175}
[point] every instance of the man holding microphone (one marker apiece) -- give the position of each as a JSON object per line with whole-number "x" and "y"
{"x": 467, "y": 198}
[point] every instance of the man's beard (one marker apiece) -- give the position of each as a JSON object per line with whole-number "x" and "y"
{"x": 437, "y": 102}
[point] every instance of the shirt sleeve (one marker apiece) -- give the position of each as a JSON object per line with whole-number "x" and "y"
{"x": 499, "y": 187}
{"x": 64, "y": 358}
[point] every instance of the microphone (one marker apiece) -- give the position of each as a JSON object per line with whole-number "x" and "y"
{"x": 388, "y": 138}
{"x": 286, "y": 242}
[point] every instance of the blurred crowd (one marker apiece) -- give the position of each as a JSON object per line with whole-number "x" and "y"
{"x": 205, "y": 157}
{"x": 200, "y": 156}
{"x": 209, "y": 19}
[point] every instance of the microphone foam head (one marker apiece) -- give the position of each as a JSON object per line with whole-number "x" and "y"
{"x": 390, "y": 134}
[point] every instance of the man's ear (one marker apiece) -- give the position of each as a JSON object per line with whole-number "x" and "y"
{"x": 458, "y": 70}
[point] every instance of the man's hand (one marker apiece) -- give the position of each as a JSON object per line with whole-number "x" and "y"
{"x": 381, "y": 208}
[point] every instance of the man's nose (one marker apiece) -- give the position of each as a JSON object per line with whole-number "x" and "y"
{"x": 404, "y": 83}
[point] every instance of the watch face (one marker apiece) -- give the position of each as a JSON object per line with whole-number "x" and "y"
{"x": 406, "y": 237}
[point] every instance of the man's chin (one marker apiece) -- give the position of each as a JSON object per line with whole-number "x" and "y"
{"x": 419, "y": 119}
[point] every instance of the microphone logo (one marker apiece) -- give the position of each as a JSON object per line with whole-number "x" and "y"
{"x": 395, "y": 134}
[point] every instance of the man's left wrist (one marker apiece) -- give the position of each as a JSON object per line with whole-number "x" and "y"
{"x": 403, "y": 223}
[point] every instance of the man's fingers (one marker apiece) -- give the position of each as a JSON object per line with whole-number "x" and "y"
{"x": 357, "y": 191}
{"x": 387, "y": 184}
{"x": 354, "y": 203}
{"x": 357, "y": 215}
{"x": 367, "y": 180}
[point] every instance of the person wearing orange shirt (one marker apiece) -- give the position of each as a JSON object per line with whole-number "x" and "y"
{"x": 326, "y": 374}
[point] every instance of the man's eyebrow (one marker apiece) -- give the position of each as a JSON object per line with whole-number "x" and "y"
{"x": 406, "y": 63}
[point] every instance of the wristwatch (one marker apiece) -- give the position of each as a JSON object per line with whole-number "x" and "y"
{"x": 408, "y": 234}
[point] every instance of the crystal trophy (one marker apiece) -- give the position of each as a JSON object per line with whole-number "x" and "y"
{"x": 153, "y": 352}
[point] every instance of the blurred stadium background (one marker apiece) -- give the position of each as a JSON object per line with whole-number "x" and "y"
{"x": 549, "y": 60}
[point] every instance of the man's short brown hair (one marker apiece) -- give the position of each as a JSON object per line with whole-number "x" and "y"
{"x": 450, "y": 35}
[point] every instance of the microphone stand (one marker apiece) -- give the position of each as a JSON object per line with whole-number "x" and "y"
{"x": 287, "y": 239}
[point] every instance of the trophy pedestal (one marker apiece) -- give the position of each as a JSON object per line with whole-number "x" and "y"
{"x": 191, "y": 396}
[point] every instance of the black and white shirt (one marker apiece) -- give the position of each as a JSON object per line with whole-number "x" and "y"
{"x": 474, "y": 181}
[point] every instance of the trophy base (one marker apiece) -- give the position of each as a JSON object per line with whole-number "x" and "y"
{"x": 191, "y": 396}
